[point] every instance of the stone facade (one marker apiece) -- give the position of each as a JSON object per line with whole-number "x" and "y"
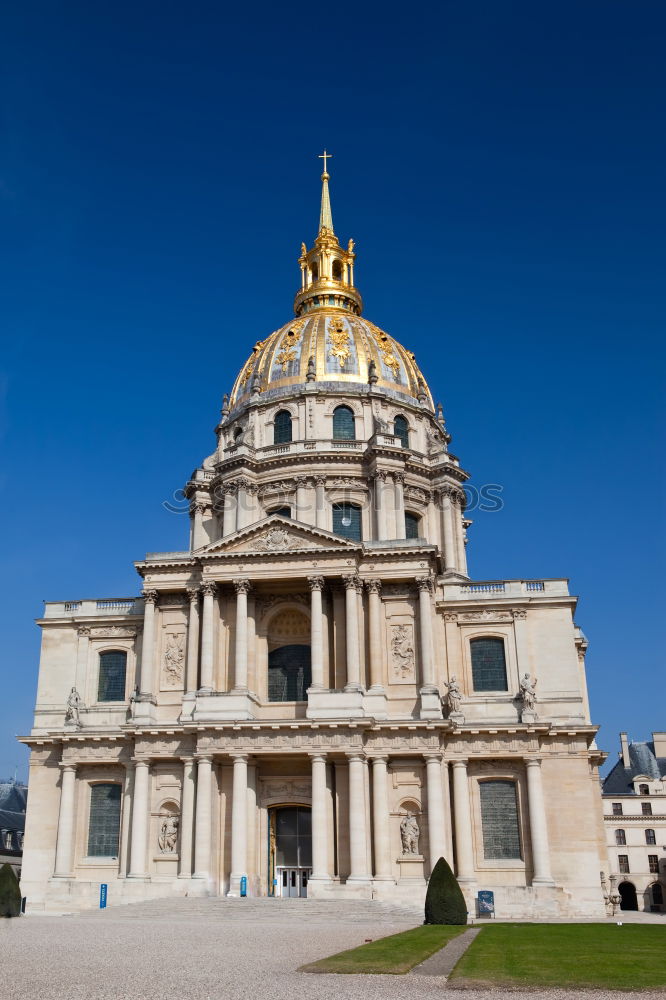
{"x": 327, "y": 531}
{"x": 634, "y": 801}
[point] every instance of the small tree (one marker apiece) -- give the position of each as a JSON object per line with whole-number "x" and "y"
{"x": 445, "y": 903}
{"x": 10, "y": 894}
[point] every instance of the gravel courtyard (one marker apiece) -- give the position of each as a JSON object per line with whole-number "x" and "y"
{"x": 209, "y": 949}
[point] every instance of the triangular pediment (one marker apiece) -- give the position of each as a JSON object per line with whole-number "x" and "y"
{"x": 276, "y": 535}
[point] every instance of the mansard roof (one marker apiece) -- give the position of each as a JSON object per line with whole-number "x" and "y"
{"x": 643, "y": 763}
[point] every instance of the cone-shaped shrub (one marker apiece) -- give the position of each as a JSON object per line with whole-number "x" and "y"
{"x": 10, "y": 894}
{"x": 445, "y": 903}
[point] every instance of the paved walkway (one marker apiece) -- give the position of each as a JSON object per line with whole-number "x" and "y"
{"x": 211, "y": 949}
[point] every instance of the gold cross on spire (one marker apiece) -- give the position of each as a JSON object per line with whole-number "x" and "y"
{"x": 325, "y": 156}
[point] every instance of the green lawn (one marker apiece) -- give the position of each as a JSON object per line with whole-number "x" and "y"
{"x": 630, "y": 957}
{"x": 393, "y": 955}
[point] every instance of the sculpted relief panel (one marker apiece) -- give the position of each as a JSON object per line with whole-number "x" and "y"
{"x": 402, "y": 656}
{"x": 173, "y": 660}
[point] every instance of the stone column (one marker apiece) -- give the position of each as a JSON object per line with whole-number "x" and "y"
{"x": 83, "y": 633}
{"x": 428, "y": 685}
{"x": 459, "y": 533}
{"x": 358, "y": 851}
{"x": 450, "y": 563}
{"x": 301, "y": 502}
{"x": 198, "y": 533}
{"x": 242, "y": 586}
{"x": 65, "y": 841}
{"x": 186, "y": 818}
{"x": 436, "y": 818}
{"x": 145, "y": 680}
{"x": 140, "y": 808}
{"x": 380, "y": 818}
{"x": 238, "y": 824}
{"x": 319, "y": 819}
{"x": 522, "y": 647}
{"x": 321, "y": 514}
{"x": 242, "y": 504}
{"x": 380, "y": 506}
{"x": 202, "y": 822}
{"x": 463, "y": 823}
{"x": 125, "y": 818}
{"x": 353, "y": 653}
{"x": 375, "y": 616}
{"x": 207, "y": 637}
{"x": 316, "y": 633}
{"x": 399, "y": 487}
{"x": 538, "y": 825}
{"x": 230, "y": 508}
{"x": 192, "y": 671}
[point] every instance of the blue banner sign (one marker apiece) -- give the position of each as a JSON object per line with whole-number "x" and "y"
{"x": 103, "y": 890}
{"x": 243, "y": 887}
{"x": 486, "y": 901}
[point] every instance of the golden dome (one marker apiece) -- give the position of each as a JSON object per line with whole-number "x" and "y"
{"x": 334, "y": 350}
{"x": 328, "y": 342}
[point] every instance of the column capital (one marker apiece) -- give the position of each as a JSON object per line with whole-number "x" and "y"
{"x": 229, "y": 488}
{"x": 301, "y": 481}
{"x": 193, "y": 594}
{"x": 460, "y": 763}
{"x": 242, "y": 585}
{"x": 374, "y": 586}
{"x": 197, "y": 507}
{"x": 208, "y": 588}
{"x": 83, "y": 631}
{"x": 141, "y": 761}
{"x": 532, "y": 761}
{"x": 67, "y": 765}
{"x": 432, "y": 755}
{"x": 352, "y": 582}
{"x": 352, "y": 755}
{"x": 187, "y": 758}
{"x": 424, "y": 583}
{"x": 316, "y": 582}
{"x": 378, "y": 758}
{"x": 380, "y": 474}
{"x": 202, "y": 758}
{"x": 240, "y": 757}
{"x": 399, "y": 478}
{"x": 150, "y": 596}
{"x": 319, "y": 480}
{"x": 518, "y": 613}
{"x": 316, "y": 756}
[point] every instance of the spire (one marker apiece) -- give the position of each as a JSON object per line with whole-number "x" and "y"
{"x": 325, "y": 216}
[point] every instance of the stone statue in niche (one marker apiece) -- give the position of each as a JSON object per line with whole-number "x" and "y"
{"x": 72, "y": 716}
{"x": 168, "y": 835}
{"x": 174, "y": 658}
{"x": 527, "y": 697}
{"x": 409, "y": 834}
{"x": 452, "y": 700}
{"x": 402, "y": 651}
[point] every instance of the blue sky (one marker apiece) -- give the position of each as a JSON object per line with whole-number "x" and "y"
{"x": 500, "y": 166}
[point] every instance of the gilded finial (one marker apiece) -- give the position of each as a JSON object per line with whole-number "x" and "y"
{"x": 325, "y": 156}
{"x": 325, "y": 215}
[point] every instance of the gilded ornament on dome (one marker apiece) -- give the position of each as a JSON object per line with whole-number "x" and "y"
{"x": 384, "y": 345}
{"x": 288, "y": 347}
{"x": 340, "y": 341}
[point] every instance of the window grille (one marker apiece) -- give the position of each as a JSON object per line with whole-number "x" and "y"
{"x": 620, "y": 838}
{"x": 412, "y": 525}
{"x": 650, "y": 837}
{"x": 282, "y": 427}
{"x": 653, "y": 864}
{"x": 112, "y": 670}
{"x": 289, "y": 673}
{"x": 488, "y": 665}
{"x": 499, "y": 819}
{"x": 623, "y": 863}
{"x": 347, "y": 521}
{"x": 617, "y": 809}
{"x": 401, "y": 430}
{"x": 646, "y": 808}
{"x": 343, "y": 424}
{"x": 104, "y": 825}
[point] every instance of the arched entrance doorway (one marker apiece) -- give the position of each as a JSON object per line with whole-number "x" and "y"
{"x": 290, "y": 851}
{"x": 628, "y": 900}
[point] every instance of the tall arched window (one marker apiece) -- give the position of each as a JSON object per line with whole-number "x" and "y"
{"x": 347, "y": 521}
{"x": 337, "y": 270}
{"x": 650, "y": 837}
{"x": 282, "y": 427}
{"x": 620, "y": 838}
{"x": 411, "y": 525}
{"x": 104, "y": 823}
{"x": 499, "y": 819}
{"x": 401, "y": 430}
{"x": 112, "y": 672}
{"x": 488, "y": 664}
{"x": 289, "y": 673}
{"x": 343, "y": 424}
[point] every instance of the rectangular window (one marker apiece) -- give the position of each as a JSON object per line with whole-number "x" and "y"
{"x": 620, "y": 838}
{"x": 646, "y": 808}
{"x": 488, "y": 664}
{"x": 499, "y": 820}
{"x": 623, "y": 863}
{"x": 617, "y": 809}
{"x": 104, "y": 826}
{"x": 650, "y": 837}
{"x": 653, "y": 864}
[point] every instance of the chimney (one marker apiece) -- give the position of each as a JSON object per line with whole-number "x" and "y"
{"x": 625, "y": 749}
{"x": 659, "y": 740}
